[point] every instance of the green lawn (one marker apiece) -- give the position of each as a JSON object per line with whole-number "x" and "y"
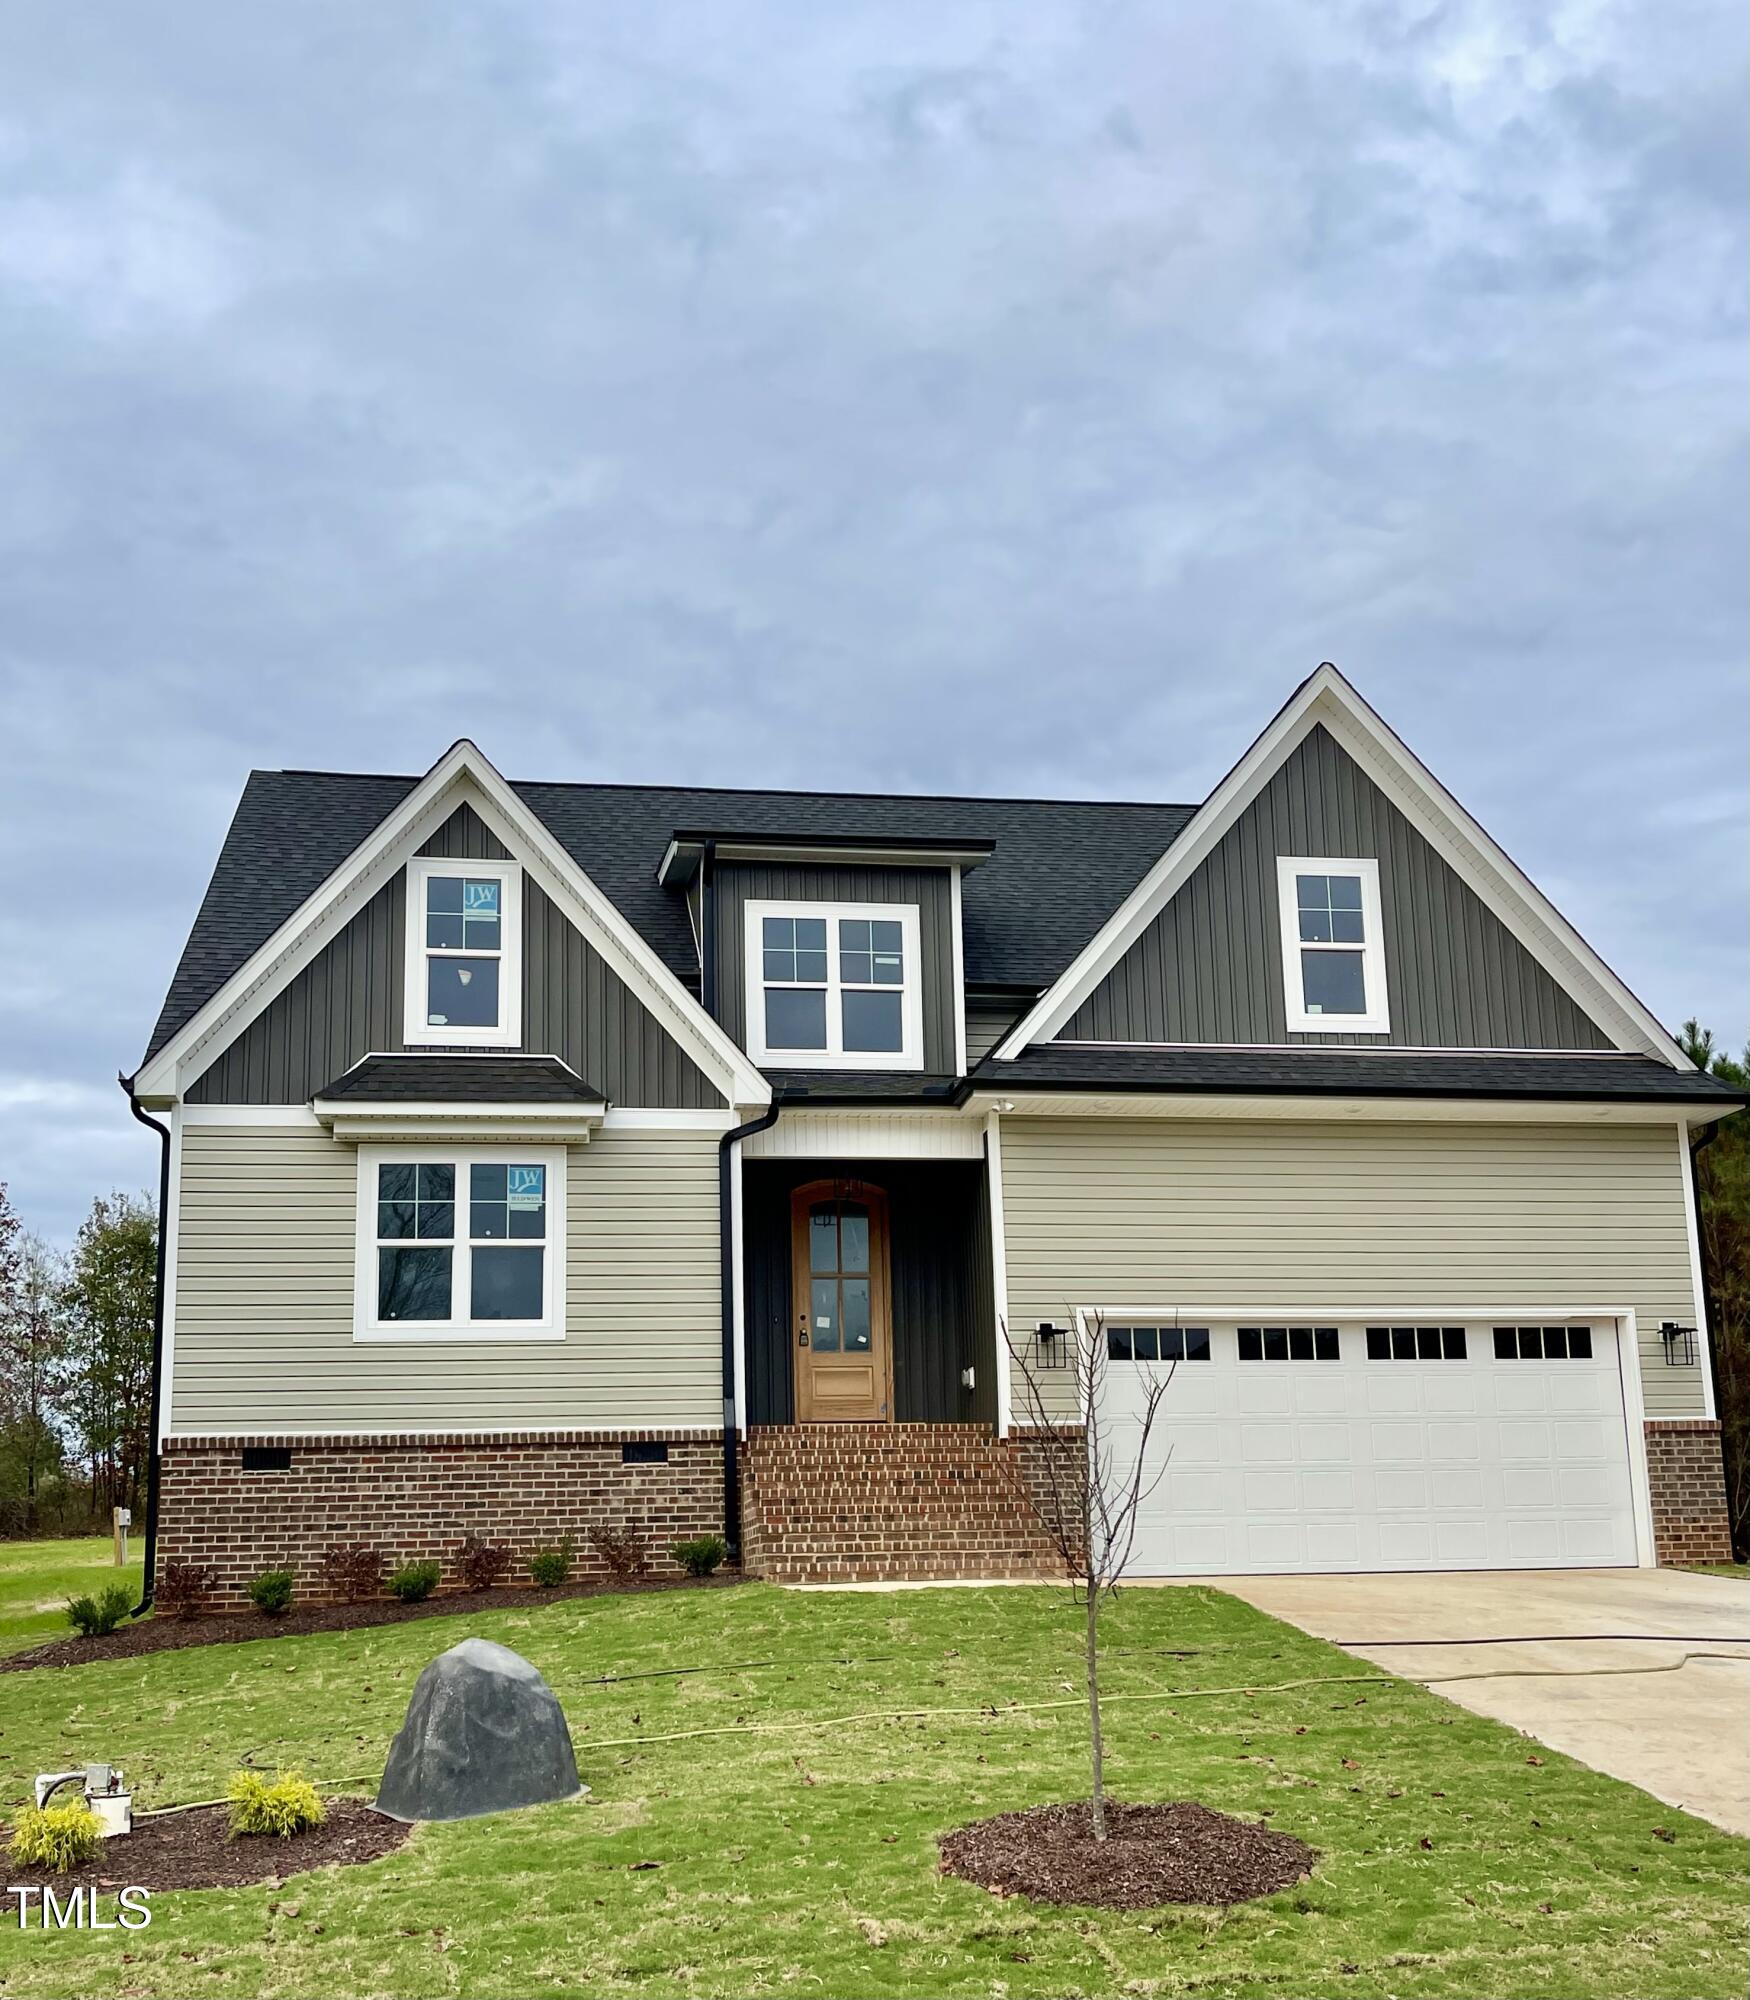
{"x": 801, "y": 1858}
{"x": 37, "y": 1578}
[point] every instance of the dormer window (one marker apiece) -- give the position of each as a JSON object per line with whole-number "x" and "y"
{"x": 1333, "y": 947}
{"x": 833, "y": 986}
{"x": 464, "y": 954}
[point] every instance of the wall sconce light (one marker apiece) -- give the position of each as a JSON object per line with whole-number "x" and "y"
{"x": 1051, "y": 1345}
{"x": 1680, "y": 1351}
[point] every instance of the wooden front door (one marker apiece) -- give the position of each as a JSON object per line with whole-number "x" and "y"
{"x": 839, "y": 1303}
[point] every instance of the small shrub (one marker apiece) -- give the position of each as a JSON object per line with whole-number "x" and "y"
{"x": 482, "y": 1562}
{"x": 621, "y": 1548}
{"x": 550, "y": 1567}
{"x": 55, "y": 1837}
{"x": 271, "y": 1592}
{"x": 182, "y": 1589}
{"x": 92, "y": 1617}
{"x": 285, "y": 1804}
{"x": 352, "y": 1570}
{"x": 701, "y": 1555}
{"x": 414, "y": 1582}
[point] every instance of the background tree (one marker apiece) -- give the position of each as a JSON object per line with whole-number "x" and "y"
{"x": 33, "y": 1356}
{"x": 1086, "y": 1491}
{"x": 108, "y": 1302}
{"x": 1722, "y": 1172}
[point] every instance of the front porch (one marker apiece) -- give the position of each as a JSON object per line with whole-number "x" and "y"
{"x": 870, "y": 1388}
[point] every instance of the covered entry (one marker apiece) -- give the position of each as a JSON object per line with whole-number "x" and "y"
{"x": 1423, "y": 1442}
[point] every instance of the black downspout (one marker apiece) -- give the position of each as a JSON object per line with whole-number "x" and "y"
{"x": 728, "y": 1222}
{"x": 1697, "y": 1148}
{"x": 151, "y": 1552}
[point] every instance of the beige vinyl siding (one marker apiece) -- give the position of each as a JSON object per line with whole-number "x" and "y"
{"x": 265, "y": 1266}
{"x": 1159, "y": 1213}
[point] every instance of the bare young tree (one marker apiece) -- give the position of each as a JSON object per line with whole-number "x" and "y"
{"x": 1085, "y": 1487}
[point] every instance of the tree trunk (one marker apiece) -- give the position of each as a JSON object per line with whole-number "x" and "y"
{"x": 1096, "y": 1747}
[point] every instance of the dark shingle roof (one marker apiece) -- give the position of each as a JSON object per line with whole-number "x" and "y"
{"x": 460, "y": 1079}
{"x": 1059, "y": 869}
{"x": 1349, "y": 1073}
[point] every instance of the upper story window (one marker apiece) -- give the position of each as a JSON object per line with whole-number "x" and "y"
{"x": 1333, "y": 947}
{"x": 464, "y": 953}
{"x": 834, "y": 986}
{"x": 461, "y": 1245}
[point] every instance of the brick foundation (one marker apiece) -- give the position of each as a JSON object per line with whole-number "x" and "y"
{"x": 1687, "y": 1485}
{"x": 826, "y": 1502}
{"x": 418, "y": 1496}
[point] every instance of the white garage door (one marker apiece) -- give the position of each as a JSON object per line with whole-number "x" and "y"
{"x": 1368, "y": 1447}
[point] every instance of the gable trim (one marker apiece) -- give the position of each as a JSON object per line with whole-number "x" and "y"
{"x": 1478, "y": 861}
{"x": 462, "y": 772}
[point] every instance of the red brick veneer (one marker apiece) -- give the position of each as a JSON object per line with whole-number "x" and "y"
{"x": 887, "y": 1501}
{"x": 1686, "y": 1482}
{"x": 419, "y": 1495}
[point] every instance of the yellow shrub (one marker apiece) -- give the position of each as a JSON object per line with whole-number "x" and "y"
{"x": 55, "y": 1836}
{"x": 285, "y": 1804}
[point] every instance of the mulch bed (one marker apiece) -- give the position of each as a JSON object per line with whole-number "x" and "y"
{"x": 164, "y": 1635}
{"x": 1176, "y": 1853}
{"x": 196, "y": 1850}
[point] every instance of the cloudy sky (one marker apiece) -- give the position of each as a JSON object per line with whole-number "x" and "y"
{"x": 988, "y": 398}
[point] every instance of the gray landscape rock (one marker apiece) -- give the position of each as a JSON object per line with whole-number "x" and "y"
{"x": 484, "y": 1732}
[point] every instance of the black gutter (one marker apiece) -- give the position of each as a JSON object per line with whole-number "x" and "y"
{"x": 151, "y": 1551}
{"x": 1696, "y": 1148}
{"x": 728, "y": 1222}
{"x": 1144, "y": 1087}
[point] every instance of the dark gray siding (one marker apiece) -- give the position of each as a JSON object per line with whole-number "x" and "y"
{"x": 347, "y": 1003}
{"x": 941, "y": 1297}
{"x": 742, "y": 882}
{"x": 467, "y": 837}
{"x": 1209, "y": 968}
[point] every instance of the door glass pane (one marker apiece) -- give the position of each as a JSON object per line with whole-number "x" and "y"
{"x": 1332, "y": 982}
{"x": 823, "y": 1316}
{"x": 853, "y": 1237}
{"x": 507, "y": 1283}
{"x": 823, "y": 1238}
{"x": 795, "y": 1017}
{"x": 413, "y": 1283}
{"x": 856, "y": 1315}
{"x": 872, "y": 1022}
{"x": 461, "y": 992}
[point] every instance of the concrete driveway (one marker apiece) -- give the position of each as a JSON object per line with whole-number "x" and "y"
{"x": 1683, "y": 1735}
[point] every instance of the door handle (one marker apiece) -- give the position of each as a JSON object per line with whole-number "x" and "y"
{"x": 802, "y": 1338}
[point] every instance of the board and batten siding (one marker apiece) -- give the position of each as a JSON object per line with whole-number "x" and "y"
{"x": 265, "y": 1263}
{"x": 346, "y": 1003}
{"x": 1307, "y": 1218}
{"x": 1209, "y": 967}
{"x": 931, "y": 889}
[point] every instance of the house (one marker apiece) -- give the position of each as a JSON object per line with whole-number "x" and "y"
{"x": 539, "y": 1156}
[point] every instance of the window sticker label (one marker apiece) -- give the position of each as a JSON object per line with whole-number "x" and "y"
{"x": 480, "y": 899}
{"x": 526, "y": 1186}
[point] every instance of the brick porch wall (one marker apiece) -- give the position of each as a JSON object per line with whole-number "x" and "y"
{"x": 415, "y": 1496}
{"x": 1687, "y": 1485}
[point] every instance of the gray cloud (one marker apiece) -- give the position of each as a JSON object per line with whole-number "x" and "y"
{"x": 977, "y": 398}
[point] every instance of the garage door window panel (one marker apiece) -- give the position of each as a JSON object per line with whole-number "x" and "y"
{"x": 1416, "y": 1343}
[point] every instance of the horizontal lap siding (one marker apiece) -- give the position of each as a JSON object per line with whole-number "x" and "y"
{"x": 264, "y": 1298}
{"x": 1549, "y": 1218}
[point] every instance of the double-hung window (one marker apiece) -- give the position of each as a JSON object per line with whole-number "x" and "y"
{"x": 834, "y": 985}
{"x": 461, "y": 1245}
{"x": 464, "y": 954}
{"x": 1333, "y": 947}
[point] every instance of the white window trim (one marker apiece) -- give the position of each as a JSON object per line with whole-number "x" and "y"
{"x": 551, "y": 1326}
{"x": 508, "y": 1034}
{"x": 1377, "y": 1019}
{"x": 910, "y": 1055}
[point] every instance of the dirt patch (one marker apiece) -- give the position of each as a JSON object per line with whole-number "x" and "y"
{"x": 196, "y": 1850}
{"x": 1176, "y": 1853}
{"x": 166, "y": 1635}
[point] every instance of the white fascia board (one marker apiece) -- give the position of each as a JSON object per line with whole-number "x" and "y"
{"x": 1478, "y": 860}
{"x": 1323, "y": 1109}
{"x": 380, "y": 855}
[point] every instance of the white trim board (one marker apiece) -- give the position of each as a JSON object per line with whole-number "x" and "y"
{"x": 1324, "y": 1109}
{"x": 463, "y": 775}
{"x": 1703, "y": 1333}
{"x": 1479, "y": 862}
